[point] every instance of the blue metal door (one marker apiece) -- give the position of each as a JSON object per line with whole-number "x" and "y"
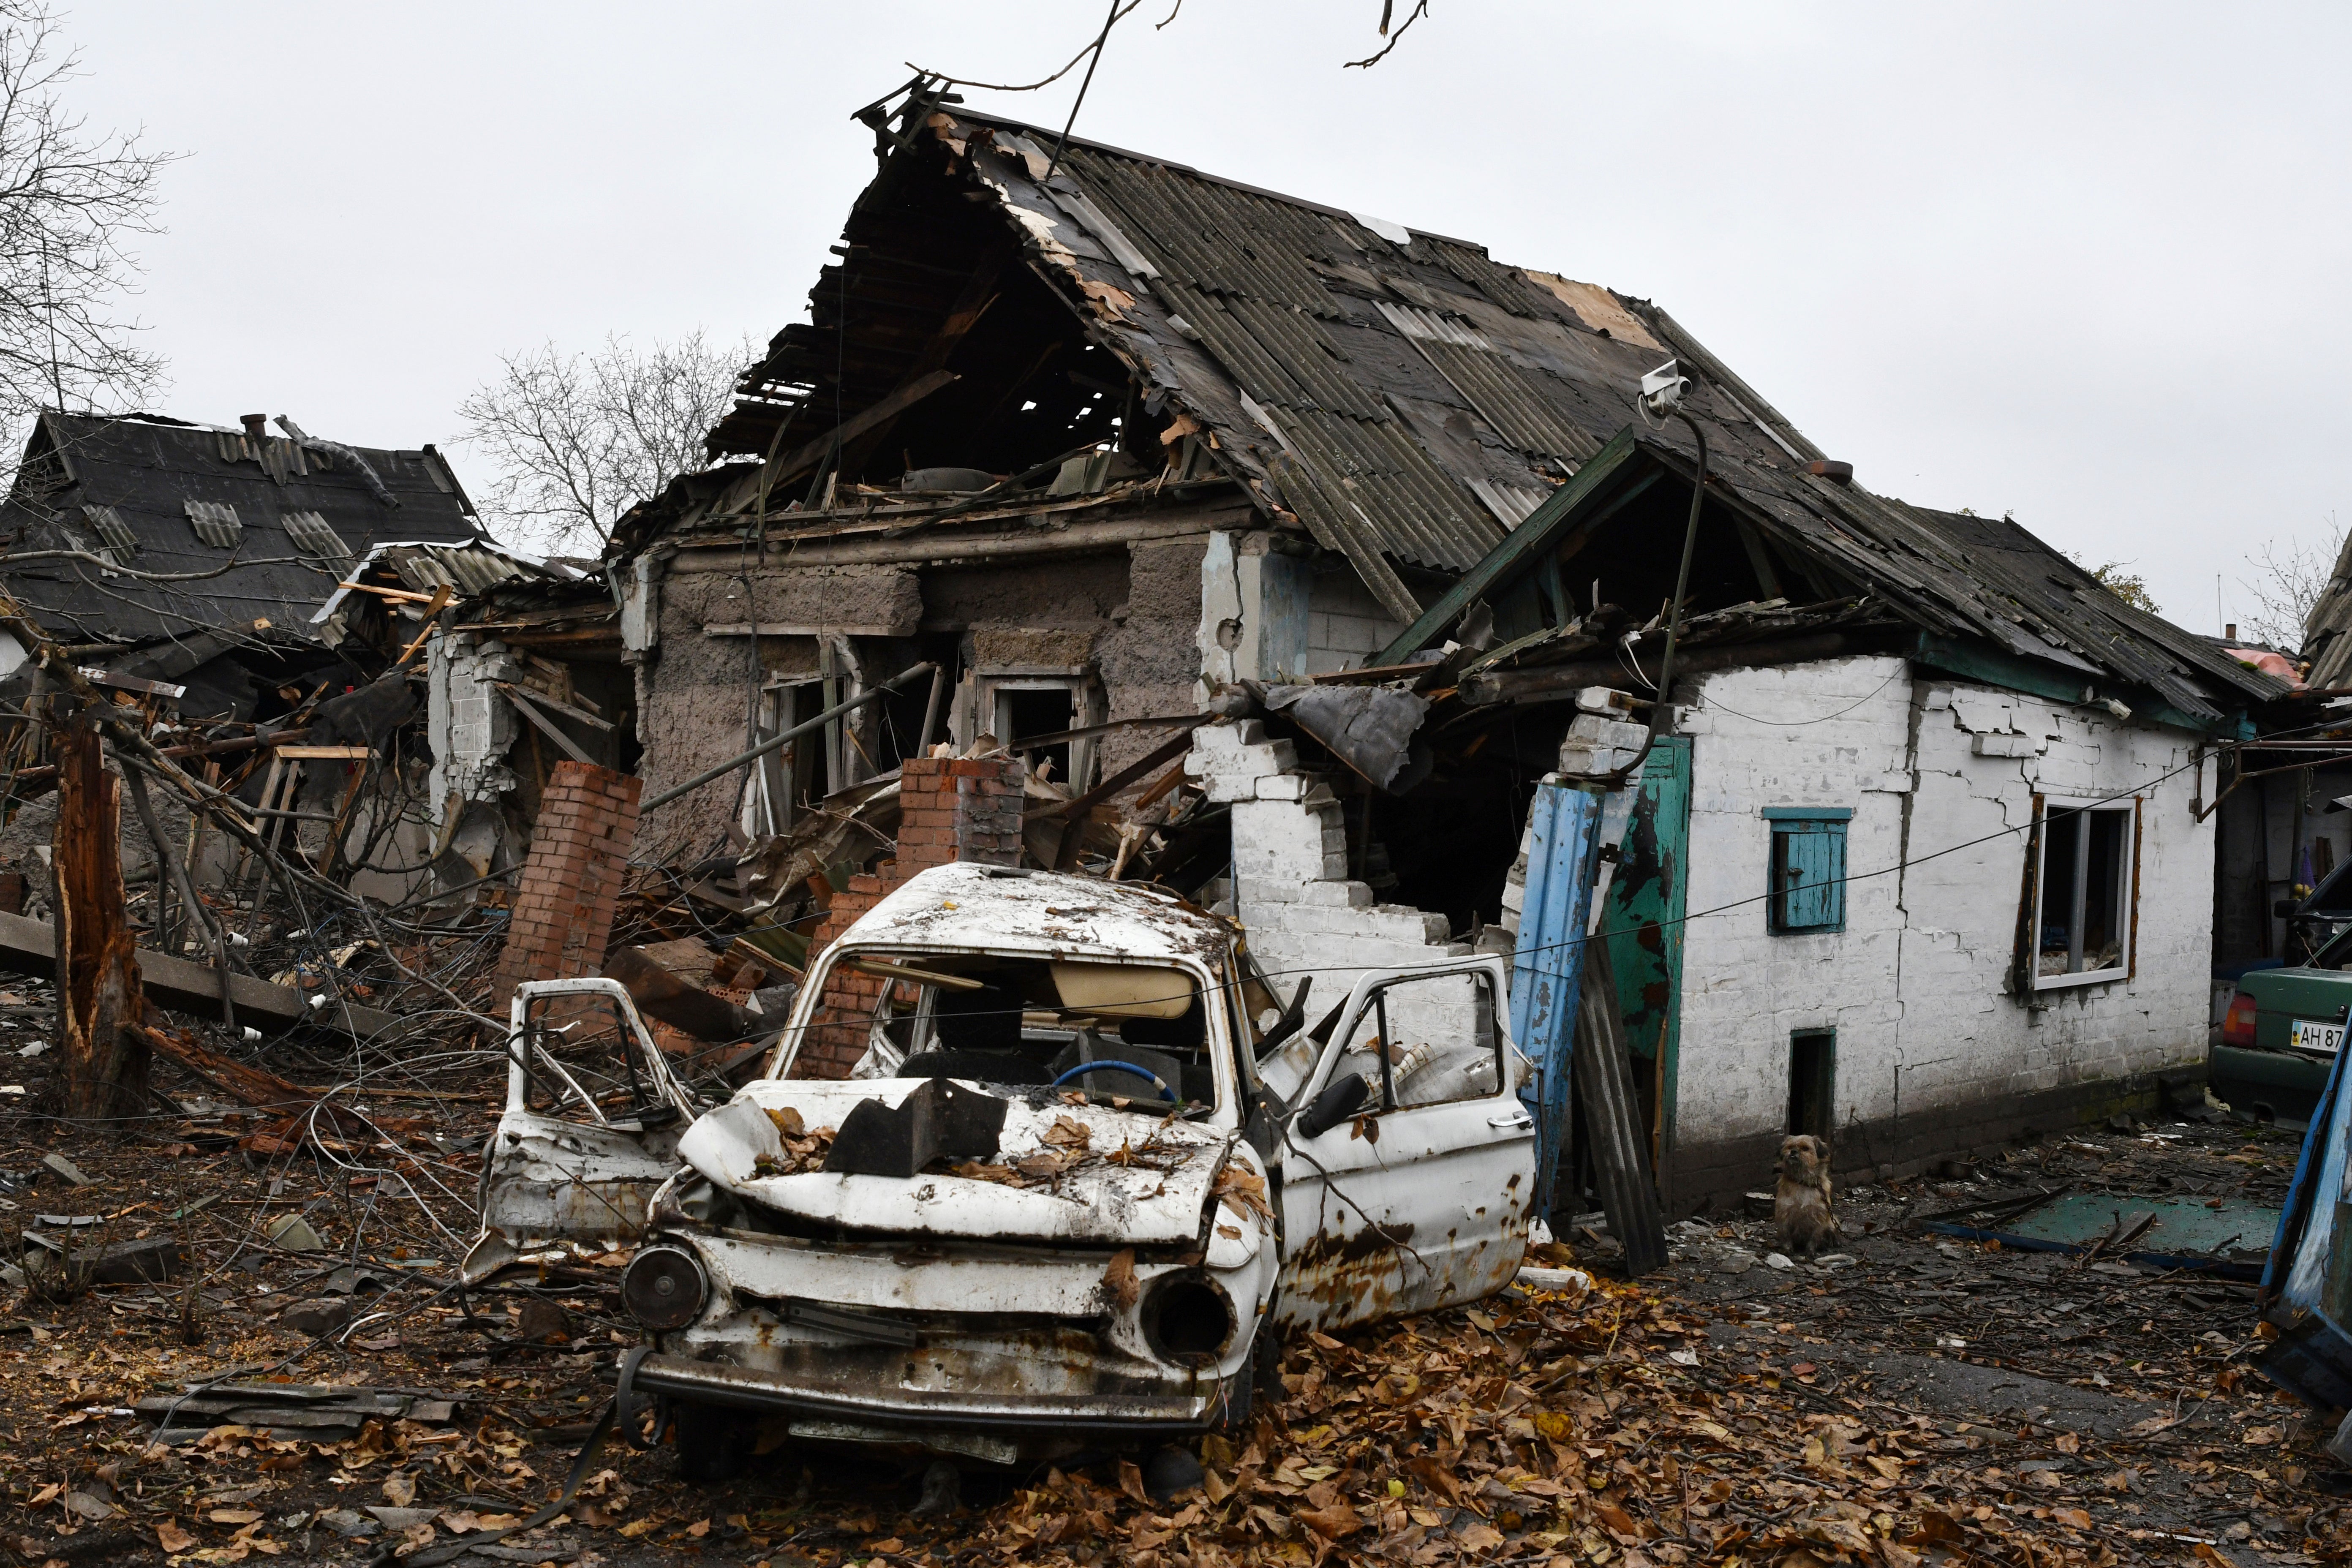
{"x": 1548, "y": 965}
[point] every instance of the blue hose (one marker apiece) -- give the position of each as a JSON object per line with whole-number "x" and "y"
{"x": 1082, "y": 1068}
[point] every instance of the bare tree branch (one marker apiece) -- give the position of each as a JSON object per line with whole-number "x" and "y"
{"x": 574, "y": 440}
{"x": 2287, "y": 586}
{"x": 69, "y": 203}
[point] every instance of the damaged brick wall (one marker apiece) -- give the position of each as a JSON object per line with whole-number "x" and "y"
{"x": 950, "y": 808}
{"x": 697, "y": 689}
{"x": 563, "y": 907}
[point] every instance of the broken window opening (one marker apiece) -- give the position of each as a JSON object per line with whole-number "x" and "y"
{"x": 1022, "y": 1022}
{"x": 580, "y": 1057}
{"x": 1021, "y": 704}
{"x": 1425, "y": 1040}
{"x": 2084, "y": 888}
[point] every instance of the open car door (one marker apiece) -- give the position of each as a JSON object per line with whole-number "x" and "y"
{"x": 591, "y": 1127}
{"x": 1419, "y": 1196}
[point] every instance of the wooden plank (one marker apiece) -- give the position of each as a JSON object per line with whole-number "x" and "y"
{"x": 802, "y": 629}
{"x": 401, "y": 593}
{"x": 1075, "y": 810}
{"x": 1612, "y": 1120}
{"x": 807, "y": 456}
{"x": 544, "y": 700}
{"x": 529, "y": 708}
{"x": 325, "y": 753}
{"x": 1558, "y": 682}
{"x": 1540, "y": 533}
{"x": 30, "y": 947}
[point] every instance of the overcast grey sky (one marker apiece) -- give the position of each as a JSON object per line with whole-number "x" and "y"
{"x": 2076, "y": 261}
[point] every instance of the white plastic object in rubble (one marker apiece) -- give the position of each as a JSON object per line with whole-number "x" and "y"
{"x": 252, "y": 1036}
{"x": 1532, "y": 1278}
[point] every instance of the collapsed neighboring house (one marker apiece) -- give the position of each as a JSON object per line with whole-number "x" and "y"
{"x": 1915, "y": 864}
{"x": 241, "y": 584}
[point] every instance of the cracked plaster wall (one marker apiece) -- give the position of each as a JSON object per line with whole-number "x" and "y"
{"x": 1917, "y": 985}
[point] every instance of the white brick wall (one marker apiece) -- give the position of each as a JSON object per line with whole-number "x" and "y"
{"x": 1345, "y": 625}
{"x": 1917, "y": 984}
{"x": 469, "y": 723}
{"x": 1292, "y": 892}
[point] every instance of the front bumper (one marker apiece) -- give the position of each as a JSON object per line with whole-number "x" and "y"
{"x": 851, "y": 1397}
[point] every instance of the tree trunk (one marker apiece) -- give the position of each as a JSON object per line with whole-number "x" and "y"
{"x": 106, "y": 1061}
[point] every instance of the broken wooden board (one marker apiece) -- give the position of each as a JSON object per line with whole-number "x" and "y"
{"x": 317, "y": 1413}
{"x": 30, "y": 947}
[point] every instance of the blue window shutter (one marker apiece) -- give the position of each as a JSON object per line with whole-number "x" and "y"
{"x": 1809, "y": 869}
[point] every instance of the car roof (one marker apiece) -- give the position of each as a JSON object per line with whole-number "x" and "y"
{"x": 1000, "y": 909}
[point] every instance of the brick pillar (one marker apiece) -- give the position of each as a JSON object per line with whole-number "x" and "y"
{"x": 563, "y": 909}
{"x": 950, "y": 808}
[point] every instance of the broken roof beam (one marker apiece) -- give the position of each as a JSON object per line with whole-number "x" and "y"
{"x": 30, "y": 947}
{"x": 801, "y": 459}
{"x": 1541, "y": 532}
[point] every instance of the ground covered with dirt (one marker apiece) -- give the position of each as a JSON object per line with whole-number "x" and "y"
{"x": 1920, "y": 1399}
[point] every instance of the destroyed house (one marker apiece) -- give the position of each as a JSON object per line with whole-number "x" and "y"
{"x": 1914, "y": 863}
{"x": 242, "y": 537}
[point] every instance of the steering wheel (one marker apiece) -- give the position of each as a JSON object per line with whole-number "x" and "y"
{"x": 1083, "y": 1068}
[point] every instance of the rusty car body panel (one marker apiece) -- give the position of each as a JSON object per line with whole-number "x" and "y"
{"x": 1114, "y": 1266}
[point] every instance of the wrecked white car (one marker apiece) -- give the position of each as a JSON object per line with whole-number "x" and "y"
{"x": 1086, "y": 1165}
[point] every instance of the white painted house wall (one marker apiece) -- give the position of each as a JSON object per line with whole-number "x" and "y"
{"x": 1267, "y": 615}
{"x": 1917, "y": 985}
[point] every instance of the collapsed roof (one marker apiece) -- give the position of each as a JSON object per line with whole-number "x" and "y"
{"x": 1404, "y": 397}
{"x": 250, "y": 533}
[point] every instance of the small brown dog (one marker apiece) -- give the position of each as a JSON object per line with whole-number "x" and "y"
{"x": 1800, "y": 1202}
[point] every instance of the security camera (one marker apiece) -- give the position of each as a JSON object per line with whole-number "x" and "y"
{"x": 1663, "y": 388}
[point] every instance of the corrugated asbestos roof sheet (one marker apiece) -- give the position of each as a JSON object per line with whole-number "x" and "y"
{"x": 1408, "y": 401}
{"x": 165, "y": 496}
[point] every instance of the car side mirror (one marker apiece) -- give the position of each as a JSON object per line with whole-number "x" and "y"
{"x": 1341, "y": 1099}
{"x": 2285, "y": 908}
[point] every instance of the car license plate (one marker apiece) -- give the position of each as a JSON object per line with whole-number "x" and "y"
{"x": 2307, "y": 1036}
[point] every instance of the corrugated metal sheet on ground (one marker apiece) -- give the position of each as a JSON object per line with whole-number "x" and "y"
{"x": 2231, "y": 1240}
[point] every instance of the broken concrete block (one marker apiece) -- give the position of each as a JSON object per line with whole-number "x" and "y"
{"x": 1593, "y": 731}
{"x": 1604, "y": 700}
{"x": 147, "y": 1261}
{"x": 1285, "y": 786}
{"x": 1227, "y": 738}
{"x": 65, "y": 1168}
{"x": 293, "y": 1233}
{"x": 315, "y": 1318}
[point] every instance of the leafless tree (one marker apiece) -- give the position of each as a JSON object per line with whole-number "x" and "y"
{"x": 70, "y": 202}
{"x": 2288, "y": 582}
{"x": 574, "y": 440}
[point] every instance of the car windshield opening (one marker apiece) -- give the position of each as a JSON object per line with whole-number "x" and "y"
{"x": 1134, "y": 1035}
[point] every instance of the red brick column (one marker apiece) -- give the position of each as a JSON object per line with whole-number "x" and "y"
{"x": 950, "y": 808}
{"x": 563, "y": 909}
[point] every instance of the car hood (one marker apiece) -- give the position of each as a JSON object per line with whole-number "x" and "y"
{"x": 1140, "y": 1181}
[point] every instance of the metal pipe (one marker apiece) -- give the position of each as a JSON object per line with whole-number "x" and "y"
{"x": 775, "y": 742}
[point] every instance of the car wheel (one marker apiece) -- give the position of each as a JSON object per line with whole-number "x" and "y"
{"x": 712, "y": 1442}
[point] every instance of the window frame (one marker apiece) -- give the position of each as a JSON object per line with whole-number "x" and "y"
{"x": 1089, "y": 705}
{"x": 1785, "y": 822}
{"x": 1351, "y": 1017}
{"x": 2126, "y": 878}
